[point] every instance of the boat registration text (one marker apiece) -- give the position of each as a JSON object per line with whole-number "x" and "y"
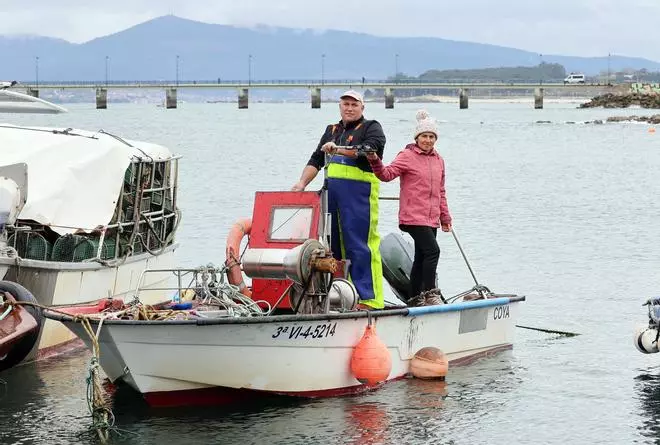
{"x": 310, "y": 331}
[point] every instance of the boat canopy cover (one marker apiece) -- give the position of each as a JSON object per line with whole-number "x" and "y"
{"x": 74, "y": 176}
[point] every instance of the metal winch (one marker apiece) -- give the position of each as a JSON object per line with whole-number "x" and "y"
{"x": 311, "y": 267}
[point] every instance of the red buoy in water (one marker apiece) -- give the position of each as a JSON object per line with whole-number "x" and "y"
{"x": 371, "y": 362}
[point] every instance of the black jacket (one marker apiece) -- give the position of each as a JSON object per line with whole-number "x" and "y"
{"x": 362, "y": 131}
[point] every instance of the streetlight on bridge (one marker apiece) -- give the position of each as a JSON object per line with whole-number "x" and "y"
{"x": 177, "y": 70}
{"x": 249, "y": 69}
{"x": 106, "y": 70}
{"x": 322, "y": 69}
{"x": 36, "y": 71}
{"x": 396, "y": 67}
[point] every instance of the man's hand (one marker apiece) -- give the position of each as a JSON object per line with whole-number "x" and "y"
{"x": 446, "y": 227}
{"x": 298, "y": 187}
{"x": 329, "y": 148}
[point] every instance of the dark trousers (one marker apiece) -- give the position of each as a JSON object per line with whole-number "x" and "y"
{"x": 427, "y": 253}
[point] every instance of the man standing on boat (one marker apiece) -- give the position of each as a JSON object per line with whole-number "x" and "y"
{"x": 352, "y": 195}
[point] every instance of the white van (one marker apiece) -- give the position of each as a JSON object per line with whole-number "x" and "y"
{"x": 574, "y": 78}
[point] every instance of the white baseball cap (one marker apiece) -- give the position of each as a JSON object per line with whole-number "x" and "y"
{"x": 353, "y": 94}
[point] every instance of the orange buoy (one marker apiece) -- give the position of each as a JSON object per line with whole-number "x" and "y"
{"x": 371, "y": 362}
{"x": 429, "y": 363}
{"x": 240, "y": 228}
{"x": 652, "y": 130}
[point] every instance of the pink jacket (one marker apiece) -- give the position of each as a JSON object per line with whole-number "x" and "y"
{"x": 422, "y": 200}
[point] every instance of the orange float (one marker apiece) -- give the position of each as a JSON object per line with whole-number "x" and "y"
{"x": 371, "y": 362}
{"x": 238, "y": 230}
{"x": 429, "y": 363}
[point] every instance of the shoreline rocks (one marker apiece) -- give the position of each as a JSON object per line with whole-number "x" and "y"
{"x": 653, "y": 119}
{"x": 611, "y": 100}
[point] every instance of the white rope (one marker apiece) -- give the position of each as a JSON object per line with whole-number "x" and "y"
{"x": 233, "y": 301}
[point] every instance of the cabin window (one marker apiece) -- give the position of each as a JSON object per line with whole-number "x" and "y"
{"x": 290, "y": 224}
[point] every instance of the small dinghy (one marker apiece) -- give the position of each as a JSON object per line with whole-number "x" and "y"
{"x": 19, "y": 328}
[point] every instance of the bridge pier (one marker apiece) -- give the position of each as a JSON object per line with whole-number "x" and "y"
{"x": 33, "y": 92}
{"x": 463, "y": 99}
{"x": 243, "y": 98}
{"x": 389, "y": 99}
{"x": 538, "y": 99}
{"x": 101, "y": 98}
{"x": 316, "y": 97}
{"x": 170, "y": 98}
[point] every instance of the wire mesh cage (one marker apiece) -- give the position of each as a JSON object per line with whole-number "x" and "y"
{"x": 146, "y": 212}
{"x": 77, "y": 248}
{"x": 30, "y": 245}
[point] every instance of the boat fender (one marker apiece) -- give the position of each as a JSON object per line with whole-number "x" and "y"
{"x": 646, "y": 339}
{"x": 371, "y": 362}
{"x": 429, "y": 363}
{"x": 241, "y": 228}
{"x": 25, "y": 344}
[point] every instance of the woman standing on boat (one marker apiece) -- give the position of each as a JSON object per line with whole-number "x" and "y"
{"x": 422, "y": 205}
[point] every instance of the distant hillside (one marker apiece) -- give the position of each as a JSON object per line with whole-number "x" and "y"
{"x": 548, "y": 72}
{"x": 206, "y": 51}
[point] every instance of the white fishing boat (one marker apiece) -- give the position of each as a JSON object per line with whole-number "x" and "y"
{"x": 15, "y": 102}
{"x": 84, "y": 213}
{"x": 295, "y": 331}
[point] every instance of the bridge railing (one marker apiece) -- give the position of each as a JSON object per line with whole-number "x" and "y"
{"x": 300, "y": 82}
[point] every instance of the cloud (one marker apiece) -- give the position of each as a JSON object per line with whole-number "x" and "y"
{"x": 567, "y": 27}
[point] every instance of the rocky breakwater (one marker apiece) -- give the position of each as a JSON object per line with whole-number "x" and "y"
{"x": 611, "y": 100}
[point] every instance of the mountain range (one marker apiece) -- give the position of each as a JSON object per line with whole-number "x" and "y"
{"x": 153, "y": 50}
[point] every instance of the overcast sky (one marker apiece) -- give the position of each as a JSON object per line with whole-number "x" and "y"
{"x": 566, "y": 27}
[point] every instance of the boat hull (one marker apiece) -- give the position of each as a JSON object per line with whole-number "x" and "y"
{"x": 307, "y": 356}
{"x": 56, "y": 284}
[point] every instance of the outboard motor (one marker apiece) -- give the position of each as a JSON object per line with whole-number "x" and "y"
{"x": 646, "y": 337}
{"x": 398, "y": 254}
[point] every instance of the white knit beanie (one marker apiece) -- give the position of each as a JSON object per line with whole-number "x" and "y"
{"x": 425, "y": 124}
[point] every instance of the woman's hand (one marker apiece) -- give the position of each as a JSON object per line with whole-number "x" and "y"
{"x": 372, "y": 156}
{"x": 446, "y": 227}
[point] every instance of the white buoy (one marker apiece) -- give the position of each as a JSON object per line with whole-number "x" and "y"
{"x": 645, "y": 339}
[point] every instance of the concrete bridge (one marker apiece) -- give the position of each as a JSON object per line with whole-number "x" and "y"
{"x": 243, "y": 87}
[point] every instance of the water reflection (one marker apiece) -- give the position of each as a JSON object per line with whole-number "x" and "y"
{"x": 429, "y": 394}
{"x": 368, "y": 422}
{"x": 647, "y": 387}
{"x": 42, "y": 406}
{"x": 263, "y": 420}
